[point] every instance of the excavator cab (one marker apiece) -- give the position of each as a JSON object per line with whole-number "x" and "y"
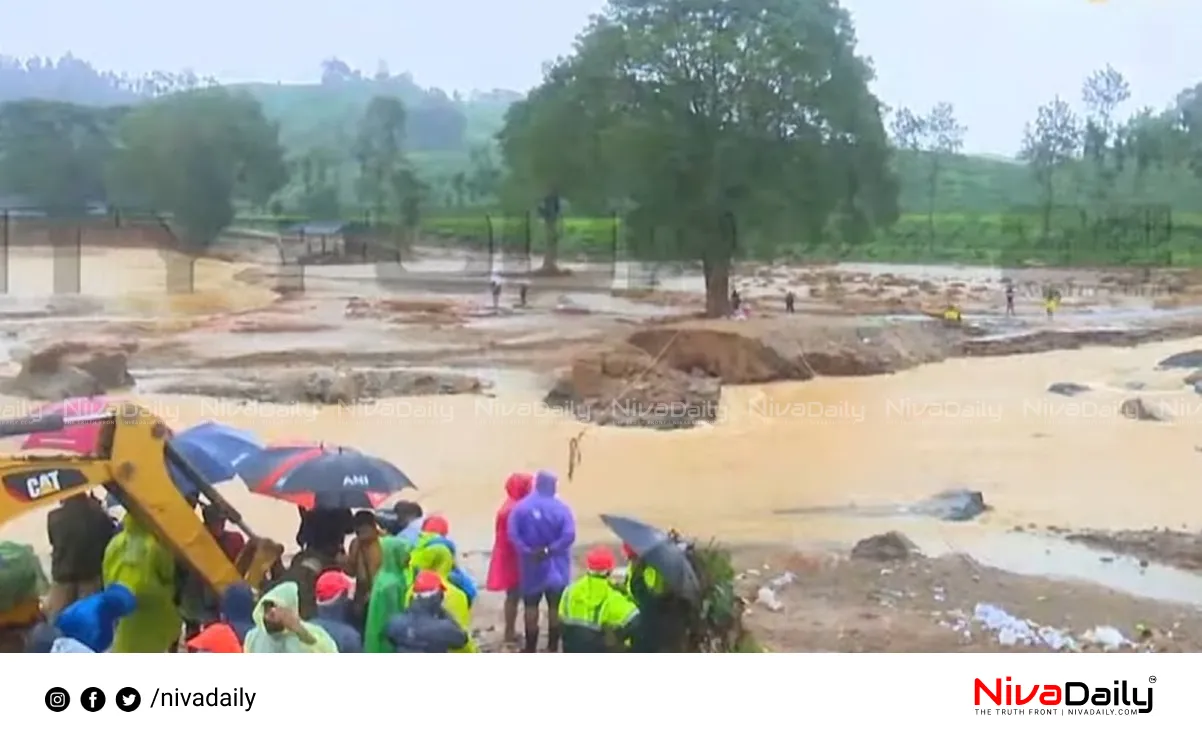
{"x": 131, "y": 463}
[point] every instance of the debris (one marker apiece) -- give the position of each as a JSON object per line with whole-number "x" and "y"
{"x": 1068, "y": 389}
{"x": 782, "y": 580}
{"x": 766, "y": 597}
{"x": 887, "y": 547}
{"x": 1011, "y": 631}
{"x": 1109, "y": 638}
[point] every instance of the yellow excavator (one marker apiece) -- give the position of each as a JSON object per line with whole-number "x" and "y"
{"x": 133, "y": 465}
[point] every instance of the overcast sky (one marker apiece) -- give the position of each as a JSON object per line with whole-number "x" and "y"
{"x": 995, "y": 60}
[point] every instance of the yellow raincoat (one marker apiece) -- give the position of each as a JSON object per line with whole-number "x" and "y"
{"x": 259, "y": 640}
{"x": 439, "y": 559}
{"x": 135, "y": 559}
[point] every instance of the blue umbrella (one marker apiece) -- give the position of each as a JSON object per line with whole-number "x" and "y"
{"x": 270, "y": 463}
{"x": 215, "y": 450}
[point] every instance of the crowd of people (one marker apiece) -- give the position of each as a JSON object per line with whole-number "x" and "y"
{"x": 397, "y": 586}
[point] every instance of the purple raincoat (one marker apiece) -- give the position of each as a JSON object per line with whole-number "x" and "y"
{"x": 543, "y": 530}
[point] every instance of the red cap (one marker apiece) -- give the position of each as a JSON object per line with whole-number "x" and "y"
{"x": 427, "y": 581}
{"x": 628, "y": 551}
{"x": 437, "y": 525}
{"x": 600, "y": 560}
{"x": 331, "y": 585}
{"x": 216, "y": 638}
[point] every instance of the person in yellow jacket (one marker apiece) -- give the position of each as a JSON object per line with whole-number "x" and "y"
{"x": 952, "y": 314}
{"x": 596, "y": 616}
{"x": 279, "y": 628}
{"x": 438, "y": 558}
{"x": 135, "y": 559}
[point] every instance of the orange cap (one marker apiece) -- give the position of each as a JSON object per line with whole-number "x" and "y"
{"x": 216, "y": 638}
{"x": 436, "y": 525}
{"x": 427, "y": 581}
{"x": 600, "y": 560}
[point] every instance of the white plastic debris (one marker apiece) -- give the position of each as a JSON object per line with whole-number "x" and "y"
{"x": 782, "y": 580}
{"x": 1010, "y": 630}
{"x": 1109, "y": 638}
{"x": 766, "y": 597}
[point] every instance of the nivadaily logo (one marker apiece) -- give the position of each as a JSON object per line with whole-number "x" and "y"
{"x": 1068, "y": 698}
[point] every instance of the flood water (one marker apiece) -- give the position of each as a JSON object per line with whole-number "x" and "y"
{"x": 985, "y": 423}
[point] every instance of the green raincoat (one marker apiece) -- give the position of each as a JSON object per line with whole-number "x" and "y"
{"x": 438, "y": 558}
{"x": 259, "y": 640}
{"x": 389, "y": 592}
{"x": 136, "y": 560}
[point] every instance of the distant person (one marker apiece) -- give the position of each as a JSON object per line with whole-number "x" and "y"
{"x": 335, "y": 612}
{"x": 542, "y": 530}
{"x": 363, "y": 560}
{"x": 436, "y": 532}
{"x": 1051, "y": 301}
{"x": 409, "y": 518}
{"x": 426, "y": 626}
{"x": 138, "y": 561}
{"x": 1010, "y": 299}
{"x": 280, "y": 629}
{"x": 523, "y": 290}
{"x": 438, "y": 559}
{"x": 503, "y": 575}
{"x": 79, "y": 530}
{"x": 790, "y": 302}
{"x": 494, "y": 288}
{"x": 215, "y": 521}
{"x": 597, "y": 617}
{"x": 736, "y": 301}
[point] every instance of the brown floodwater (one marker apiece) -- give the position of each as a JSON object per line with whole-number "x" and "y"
{"x": 988, "y": 424}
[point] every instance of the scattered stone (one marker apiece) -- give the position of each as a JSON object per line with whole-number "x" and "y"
{"x": 327, "y": 386}
{"x": 1183, "y": 360}
{"x": 888, "y": 547}
{"x": 958, "y": 504}
{"x": 1136, "y": 409}
{"x": 1068, "y": 389}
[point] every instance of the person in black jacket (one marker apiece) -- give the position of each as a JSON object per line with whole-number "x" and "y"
{"x": 426, "y": 627}
{"x": 79, "y": 530}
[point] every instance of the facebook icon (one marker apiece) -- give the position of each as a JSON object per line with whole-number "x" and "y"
{"x": 92, "y": 699}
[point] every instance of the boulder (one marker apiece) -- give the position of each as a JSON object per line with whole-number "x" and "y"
{"x": 891, "y": 546}
{"x": 1193, "y": 378}
{"x": 73, "y": 369}
{"x": 1068, "y": 389}
{"x": 1137, "y": 409}
{"x": 958, "y": 504}
{"x": 1183, "y": 360}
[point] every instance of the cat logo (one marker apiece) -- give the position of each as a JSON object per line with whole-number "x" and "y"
{"x": 356, "y": 481}
{"x": 42, "y": 484}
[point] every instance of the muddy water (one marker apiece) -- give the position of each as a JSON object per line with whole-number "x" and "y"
{"x": 134, "y": 281}
{"x": 982, "y": 423}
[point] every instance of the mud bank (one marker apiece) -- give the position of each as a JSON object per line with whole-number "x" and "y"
{"x": 1180, "y": 549}
{"x": 322, "y": 386}
{"x": 670, "y": 375}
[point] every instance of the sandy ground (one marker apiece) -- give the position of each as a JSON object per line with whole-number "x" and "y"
{"x": 987, "y": 423}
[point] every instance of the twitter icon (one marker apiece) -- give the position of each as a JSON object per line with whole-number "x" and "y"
{"x": 128, "y": 699}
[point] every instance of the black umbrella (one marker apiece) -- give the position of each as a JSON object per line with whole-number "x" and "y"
{"x": 659, "y": 550}
{"x": 335, "y": 471}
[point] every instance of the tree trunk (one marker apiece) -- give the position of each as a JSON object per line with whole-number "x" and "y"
{"x": 717, "y": 286}
{"x": 551, "y": 254}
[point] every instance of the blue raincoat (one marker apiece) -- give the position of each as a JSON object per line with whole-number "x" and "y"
{"x": 543, "y": 530}
{"x": 93, "y": 619}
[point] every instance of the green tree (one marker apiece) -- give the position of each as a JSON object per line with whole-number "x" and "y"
{"x": 379, "y": 152}
{"x": 1102, "y": 142}
{"x": 193, "y": 154}
{"x": 707, "y": 114}
{"x": 1050, "y": 143}
{"x": 931, "y": 139}
{"x": 317, "y": 173}
{"x": 55, "y": 153}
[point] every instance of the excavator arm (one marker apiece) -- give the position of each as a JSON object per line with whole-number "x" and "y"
{"x": 135, "y": 448}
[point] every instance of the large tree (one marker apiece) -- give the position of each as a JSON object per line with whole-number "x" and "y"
{"x": 700, "y": 115}
{"x": 1050, "y": 143}
{"x": 192, "y": 154}
{"x": 55, "y": 154}
{"x": 935, "y": 137}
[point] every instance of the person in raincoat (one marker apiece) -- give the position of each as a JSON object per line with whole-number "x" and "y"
{"x": 438, "y": 559}
{"x": 279, "y": 628}
{"x": 335, "y": 612}
{"x": 389, "y": 591}
{"x": 238, "y": 609}
{"x": 136, "y": 560}
{"x": 93, "y": 620}
{"x": 503, "y": 563}
{"x": 542, "y": 530}
{"x": 22, "y": 582}
{"x": 426, "y": 626}
{"x": 435, "y": 530}
{"x": 656, "y": 631}
{"x": 596, "y": 616}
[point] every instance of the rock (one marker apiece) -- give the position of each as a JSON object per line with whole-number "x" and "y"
{"x": 1137, "y": 409}
{"x": 623, "y": 386}
{"x": 888, "y": 547}
{"x": 1193, "y": 378}
{"x": 327, "y": 386}
{"x": 1068, "y": 389}
{"x": 959, "y": 504}
{"x": 766, "y": 597}
{"x": 73, "y": 369}
{"x": 1183, "y": 360}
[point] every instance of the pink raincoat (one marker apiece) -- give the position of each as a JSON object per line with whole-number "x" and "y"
{"x": 503, "y": 565}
